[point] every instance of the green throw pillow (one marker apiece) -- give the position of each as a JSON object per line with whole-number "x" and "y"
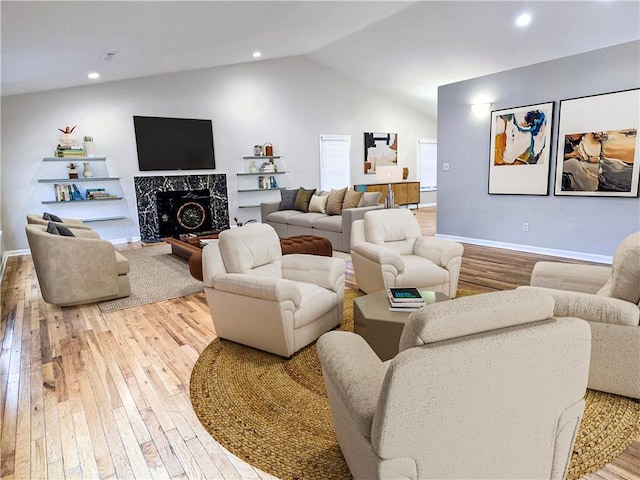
{"x": 303, "y": 198}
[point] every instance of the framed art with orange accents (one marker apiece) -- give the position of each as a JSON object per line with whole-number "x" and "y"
{"x": 520, "y": 150}
{"x": 598, "y": 145}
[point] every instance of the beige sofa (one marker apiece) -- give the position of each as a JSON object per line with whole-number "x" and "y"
{"x": 609, "y": 300}
{"x": 335, "y": 228}
{"x": 265, "y": 300}
{"x": 487, "y": 386}
{"x": 77, "y": 270}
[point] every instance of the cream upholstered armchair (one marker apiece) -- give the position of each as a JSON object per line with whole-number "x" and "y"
{"x": 388, "y": 250}
{"x": 488, "y": 386}
{"x": 77, "y": 270}
{"x": 609, "y": 299}
{"x": 268, "y": 301}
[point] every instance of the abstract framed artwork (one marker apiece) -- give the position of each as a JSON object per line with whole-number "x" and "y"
{"x": 380, "y": 149}
{"x": 519, "y": 156}
{"x": 598, "y": 145}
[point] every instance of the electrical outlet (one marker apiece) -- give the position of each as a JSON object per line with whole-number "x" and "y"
{"x": 525, "y": 227}
{"x": 445, "y": 166}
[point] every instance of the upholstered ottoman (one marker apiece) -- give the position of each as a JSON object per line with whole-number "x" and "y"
{"x": 309, "y": 244}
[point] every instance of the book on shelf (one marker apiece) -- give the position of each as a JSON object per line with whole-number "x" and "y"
{"x": 76, "y": 194}
{"x": 63, "y": 192}
{"x": 405, "y": 295}
{"x": 69, "y": 152}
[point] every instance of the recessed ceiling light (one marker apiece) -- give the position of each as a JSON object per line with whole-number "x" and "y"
{"x": 93, "y": 75}
{"x": 256, "y": 54}
{"x": 523, "y": 20}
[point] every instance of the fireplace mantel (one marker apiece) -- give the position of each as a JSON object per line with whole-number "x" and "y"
{"x": 147, "y": 187}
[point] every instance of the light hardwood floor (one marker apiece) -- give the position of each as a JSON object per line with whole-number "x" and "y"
{"x": 85, "y": 394}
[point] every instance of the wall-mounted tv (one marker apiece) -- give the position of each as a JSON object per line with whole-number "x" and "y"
{"x": 174, "y": 143}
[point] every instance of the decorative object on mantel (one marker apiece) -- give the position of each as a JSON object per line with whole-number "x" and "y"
{"x": 87, "y": 172}
{"x": 73, "y": 170}
{"x": 89, "y": 146}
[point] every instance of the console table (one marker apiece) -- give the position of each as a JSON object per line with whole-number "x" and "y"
{"x": 405, "y": 193}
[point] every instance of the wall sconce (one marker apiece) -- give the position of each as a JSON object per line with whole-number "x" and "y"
{"x": 481, "y": 110}
{"x": 389, "y": 174}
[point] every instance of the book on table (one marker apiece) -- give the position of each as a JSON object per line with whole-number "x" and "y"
{"x": 405, "y": 295}
{"x": 405, "y": 307}
{"x": 405, "y": 299}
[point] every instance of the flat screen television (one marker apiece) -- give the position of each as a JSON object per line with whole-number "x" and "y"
{"x": 174, "y": 143}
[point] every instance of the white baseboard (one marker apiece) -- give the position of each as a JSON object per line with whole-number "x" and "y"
{"x": 11, "y": 253}
{"x": 427, "y": 205}
{"x": 121, "y": 241}
{"x": 588, "y": 257}
{"x": 16, "y": 253}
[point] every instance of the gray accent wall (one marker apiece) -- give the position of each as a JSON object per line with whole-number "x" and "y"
{"x": 588, "y": 225}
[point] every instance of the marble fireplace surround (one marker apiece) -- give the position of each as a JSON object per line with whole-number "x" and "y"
{"x": 146, "y": 201}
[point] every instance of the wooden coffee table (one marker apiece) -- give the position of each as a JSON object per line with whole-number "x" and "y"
{"x": 190, "y": 248}
{"x": 187, "y": 247}
{"x": 381, "y": 328}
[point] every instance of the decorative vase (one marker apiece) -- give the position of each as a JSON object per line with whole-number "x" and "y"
{"x": 67, "y": 140}
{"x": 90, "y": 149}
{"x": 87, "y": 172}
{"x": 252, "y": 167}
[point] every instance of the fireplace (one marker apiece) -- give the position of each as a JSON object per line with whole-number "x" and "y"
{"x": 183, "y": 211}
{"x": 169, "y": 206}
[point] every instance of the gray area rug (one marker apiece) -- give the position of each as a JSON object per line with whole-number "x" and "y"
{"x": 155, "y": 275}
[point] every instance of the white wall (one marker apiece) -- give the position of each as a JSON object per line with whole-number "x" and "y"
{"x": 590, "y": 225}
{"x": 287, "y": 102}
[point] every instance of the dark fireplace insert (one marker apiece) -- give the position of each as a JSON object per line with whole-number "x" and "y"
{"x": 183, "y": 211}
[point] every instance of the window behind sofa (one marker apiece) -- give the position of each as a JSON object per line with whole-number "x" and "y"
{"x": 427, "y": 163}
{"x": 335, "y": 159}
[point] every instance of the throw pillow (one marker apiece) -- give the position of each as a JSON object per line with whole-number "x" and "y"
{"x": 318, "y": 203}
{"x": 57, "y": 229}
{"x": 369, "y": 199}
{"x": 334, "y": 202}
{"x": 50, "y": 217}
{"x": 288, "y": 199}
{"x": 351, "y": 199}
{"x": 303, "y": 198}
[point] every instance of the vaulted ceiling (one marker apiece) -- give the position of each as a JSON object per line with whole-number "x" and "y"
{"x": 402, "y": 49}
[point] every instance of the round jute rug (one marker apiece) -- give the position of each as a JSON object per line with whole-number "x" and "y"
{"x": 273, "y": 413}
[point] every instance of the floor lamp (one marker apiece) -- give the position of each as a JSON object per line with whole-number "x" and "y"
{"x": 389, "y": 174}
